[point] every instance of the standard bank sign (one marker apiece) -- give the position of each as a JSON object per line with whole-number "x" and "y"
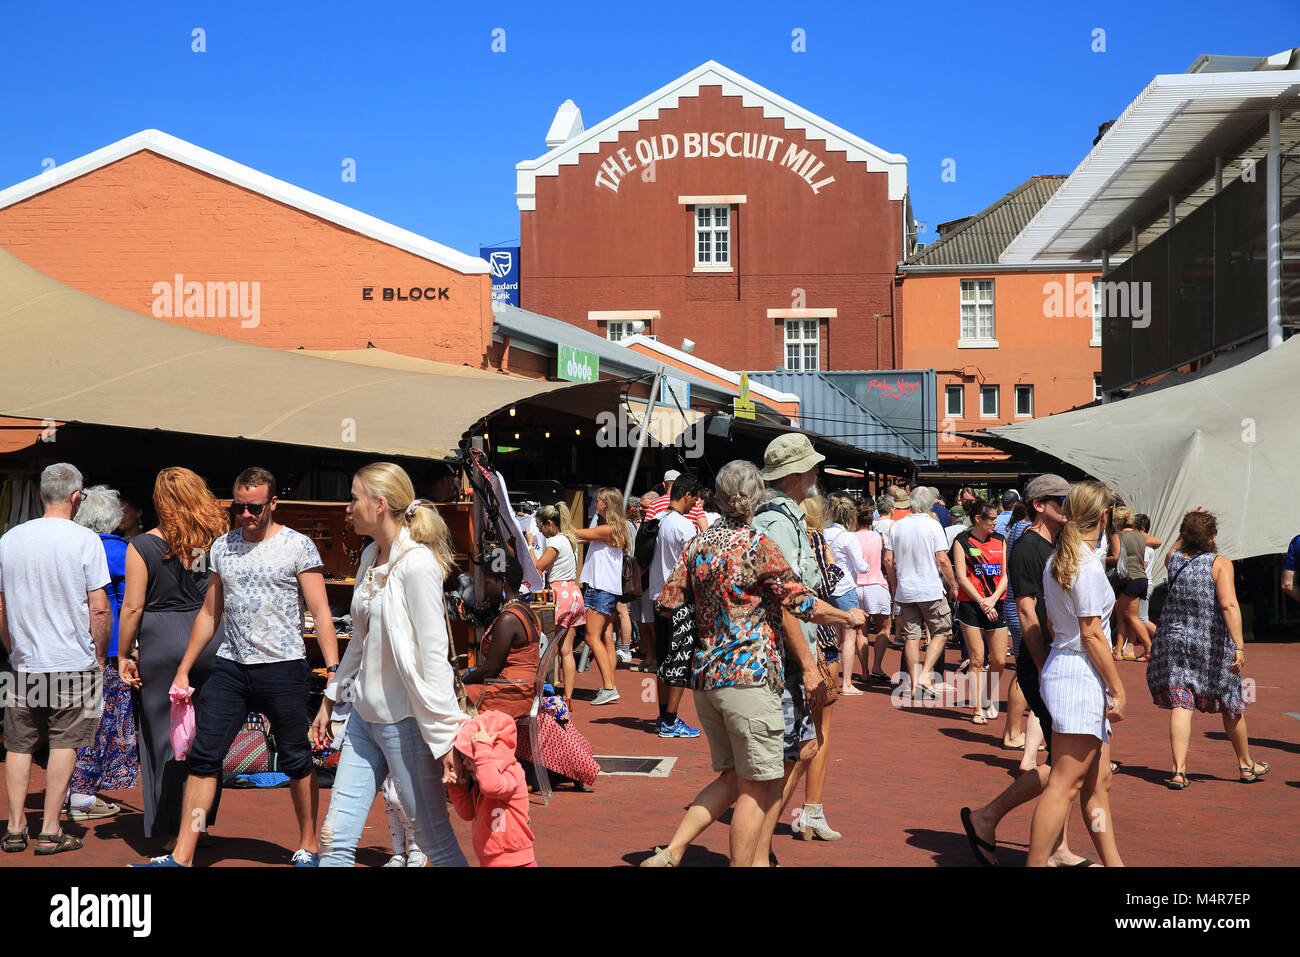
{"x": 504, "y": 262}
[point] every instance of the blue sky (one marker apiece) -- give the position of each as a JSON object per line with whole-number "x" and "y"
{"x": 436, "y": 120}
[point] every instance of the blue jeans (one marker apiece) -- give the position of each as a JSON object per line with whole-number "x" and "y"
{"x": 370, "y": 753}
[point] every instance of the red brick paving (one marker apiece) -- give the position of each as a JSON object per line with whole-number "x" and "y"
{"x": 896, "y": 782}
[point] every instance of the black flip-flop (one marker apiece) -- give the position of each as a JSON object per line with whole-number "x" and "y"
{"x": 976, "y": 842}
{"x": 1008, "y": 747}
{"x": 1083, "y": 863}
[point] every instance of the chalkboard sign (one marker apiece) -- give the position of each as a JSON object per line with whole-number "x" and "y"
{"x": 675, "y": 669}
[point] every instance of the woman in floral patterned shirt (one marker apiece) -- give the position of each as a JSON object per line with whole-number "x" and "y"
{"x": 739, "y": 584}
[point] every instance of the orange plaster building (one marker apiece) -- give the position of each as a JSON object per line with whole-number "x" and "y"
{"x": 160, "y": 226}
{"x": 1007, "y": 341}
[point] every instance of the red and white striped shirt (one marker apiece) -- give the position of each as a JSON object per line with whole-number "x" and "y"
{"x": 660, "y": 505}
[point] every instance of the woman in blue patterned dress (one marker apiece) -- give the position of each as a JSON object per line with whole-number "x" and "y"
{"x": 1199, "y": 650}
{"x": 111, "y": 763}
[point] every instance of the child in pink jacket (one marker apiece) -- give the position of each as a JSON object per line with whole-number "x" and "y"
{"x": 490, "y": 790}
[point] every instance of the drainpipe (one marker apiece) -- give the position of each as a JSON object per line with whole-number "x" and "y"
{"x": 1273, "y": 227}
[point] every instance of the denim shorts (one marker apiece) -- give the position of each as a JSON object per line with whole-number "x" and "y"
{"x": 602, "y": 602}
{"x": 848, "y": 601}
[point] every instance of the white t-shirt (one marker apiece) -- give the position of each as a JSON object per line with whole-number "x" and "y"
{"x": 914, "y": 541}
{"x": 264, "y": 605}
{"x": 565, "y": 566}
{"x": 47, "y": 568}
{"x": 846, "y": 552}
{"x": 1090, "y": 594}
{"x": 675, "y": 533}
{"x": 603, "y": 568}
{"x": 882, "y": 525}
{"x": 952, "y": 531}
{"x": 539, "y": 540}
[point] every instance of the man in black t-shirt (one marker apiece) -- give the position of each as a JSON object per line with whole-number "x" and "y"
{"x": 1029, "y": 557}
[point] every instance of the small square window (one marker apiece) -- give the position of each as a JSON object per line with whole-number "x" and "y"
{"x": 988, "y": 401}
{"x": 1024, "y": 400}
{"x": 954, "y": 401}
{"x": 1097, "y": 394}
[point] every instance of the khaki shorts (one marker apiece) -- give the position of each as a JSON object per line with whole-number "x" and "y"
{"x": 63, "y": 706}
{"x": 934, "y": 614}
{"x": 746, "y": 730}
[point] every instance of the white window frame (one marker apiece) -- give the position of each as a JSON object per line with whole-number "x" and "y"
{"x": 1016, "y": 394}
{"x": 713, "y": 232}
{"x": 948, "y": 411}
{"x": 1098, "y": 393}
{"x": 997, "y": 401}
{"x": 1095, "y": 341}
{"x": 623, "y": 328}
{"x": 802, "y": 340}
{"x": 970, "y": 335}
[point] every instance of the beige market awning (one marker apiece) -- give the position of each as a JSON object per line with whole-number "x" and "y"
{"x": 70, "y": 357}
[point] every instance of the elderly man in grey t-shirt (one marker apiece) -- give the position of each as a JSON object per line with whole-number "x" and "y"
{"x": 790, "y": 471}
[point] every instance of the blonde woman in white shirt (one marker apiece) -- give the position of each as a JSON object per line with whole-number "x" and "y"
{"x": 396, "y": 673}
{"x": 1079, "y": 682}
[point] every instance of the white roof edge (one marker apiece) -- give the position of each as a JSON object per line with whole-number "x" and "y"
{"x": 608, "y": 130}
{"x": 226, "y": 169}
{"x": 1101, "y": 163}
{"x": 726, "y": 374}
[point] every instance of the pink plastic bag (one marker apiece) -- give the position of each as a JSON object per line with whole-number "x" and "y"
{"x": 182, "y": 721}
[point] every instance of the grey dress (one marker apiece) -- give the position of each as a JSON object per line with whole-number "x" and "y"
{"x": 172, "y": 601}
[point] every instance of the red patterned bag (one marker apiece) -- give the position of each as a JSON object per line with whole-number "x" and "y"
{"x": 253, "y": 751}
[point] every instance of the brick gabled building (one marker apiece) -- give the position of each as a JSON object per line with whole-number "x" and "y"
{"x": 714, "y": 210}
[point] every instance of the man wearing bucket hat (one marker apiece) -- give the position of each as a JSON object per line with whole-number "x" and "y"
{"x": 790, "y": 471}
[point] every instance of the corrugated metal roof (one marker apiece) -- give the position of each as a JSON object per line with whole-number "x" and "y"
{"x": 981, "y": 239}
{"x": 614, "y": 358}
{"x": 825, "y": 408}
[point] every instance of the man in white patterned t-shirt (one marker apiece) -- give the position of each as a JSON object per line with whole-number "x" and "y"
{"x": 263, "y": 574}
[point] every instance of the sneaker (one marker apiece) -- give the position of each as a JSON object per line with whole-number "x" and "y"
{"x": 165, "y": 860}
{"x": 417, "y": 859}
{"x": 305, "y": 858}
{"x": 623, "y": 654}
{"x": 678, "y": 729}
{"x": 397, "y": 860}
{"x": 605, "y": 696}
{"x": 94, "y": 811}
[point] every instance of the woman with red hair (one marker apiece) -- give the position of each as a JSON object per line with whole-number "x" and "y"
{"x": 166, "y": 580}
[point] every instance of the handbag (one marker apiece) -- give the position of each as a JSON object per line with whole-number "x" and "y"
{"x": 253, "y": 750}
{"x": 675, "y": 669}
{"x": 631, "y": 577}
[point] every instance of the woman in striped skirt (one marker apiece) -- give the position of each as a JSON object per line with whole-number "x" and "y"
{"x": 1079, "y": 682}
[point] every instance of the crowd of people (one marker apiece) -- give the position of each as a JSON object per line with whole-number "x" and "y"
{"x": 763, "y": 596}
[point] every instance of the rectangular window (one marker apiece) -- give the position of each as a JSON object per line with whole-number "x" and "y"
{"x": 1098, "y": 312}
{"x": 618, "y": 329}
{"x": 802, "y": 346}
{"x": 712, "y": 237}
{"x": 988, "y": 402}
{"x": 977, "y": 310}
{"x": 1024, "y": 400}
{"x": 954, "y": 401}
{"x": 1096, "y": 387}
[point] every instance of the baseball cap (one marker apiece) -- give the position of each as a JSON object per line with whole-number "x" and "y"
{"x": 672, "y": 475}
{"x": 1046, "y": 486}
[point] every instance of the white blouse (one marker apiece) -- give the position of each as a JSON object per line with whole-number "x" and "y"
{"x": 396, "y": 665}
{"x": 846, "y": 551}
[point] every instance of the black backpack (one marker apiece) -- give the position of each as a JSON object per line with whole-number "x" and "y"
{"x": 643, "y": 549}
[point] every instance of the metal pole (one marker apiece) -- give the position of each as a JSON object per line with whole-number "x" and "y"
{"x": 645, "y": 431}
{"x": 1273, "y": 238}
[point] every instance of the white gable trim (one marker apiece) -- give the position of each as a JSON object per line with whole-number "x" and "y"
{"x": 219, "y": 166}
{"x": 857, "y": 150}
{"x": 757, "y": 388}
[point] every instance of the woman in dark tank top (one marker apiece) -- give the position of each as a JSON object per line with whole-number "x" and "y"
{"x": 163, "y": 595}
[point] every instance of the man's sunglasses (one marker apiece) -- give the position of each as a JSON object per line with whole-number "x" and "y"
{"x": 254, "y": 508}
